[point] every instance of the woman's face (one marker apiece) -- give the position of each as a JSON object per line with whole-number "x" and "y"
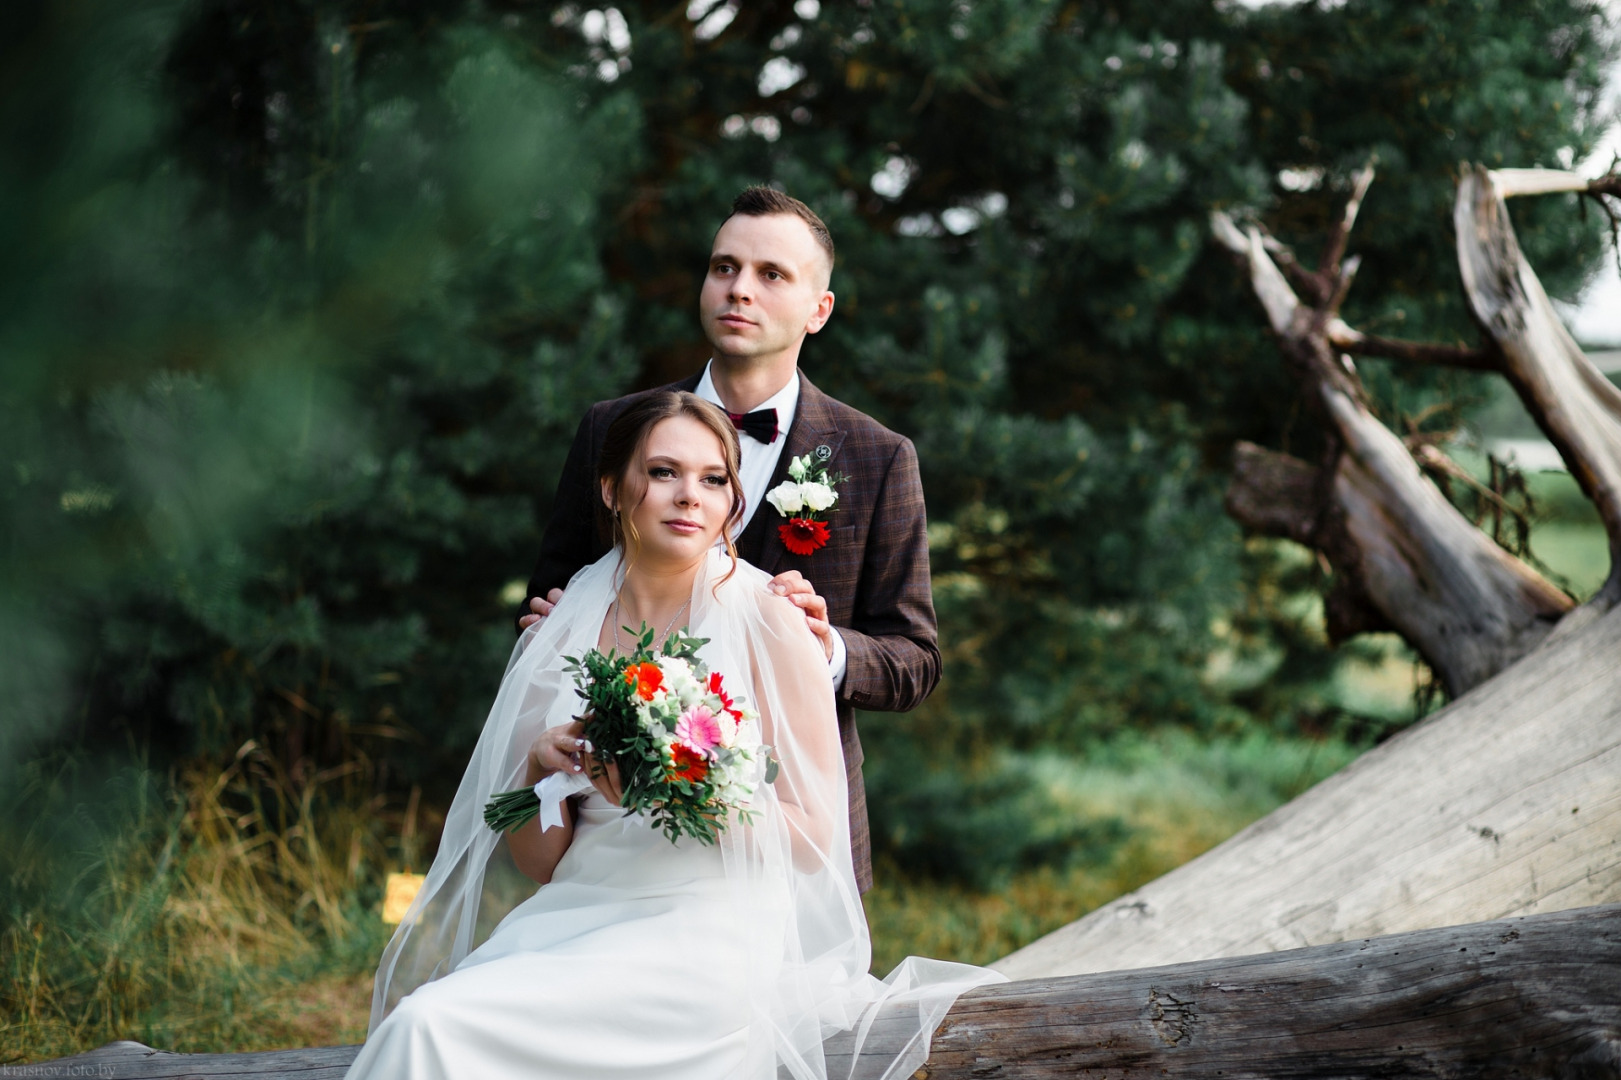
{"x": 686, "y": 499}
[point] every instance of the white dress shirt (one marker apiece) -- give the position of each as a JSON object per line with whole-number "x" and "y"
{"x": 759, "y": 464}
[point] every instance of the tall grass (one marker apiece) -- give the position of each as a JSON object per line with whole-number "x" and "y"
{"x": 212, "y": 912}
{"x": 235, "y": 906}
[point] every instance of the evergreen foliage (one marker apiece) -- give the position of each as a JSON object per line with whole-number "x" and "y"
{"x": 301, "y": 302}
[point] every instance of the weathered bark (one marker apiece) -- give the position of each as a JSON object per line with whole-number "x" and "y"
{"x": 1506, "y": 802}
{"x": 1273, "y": 493}
{"x": 1404, "y": 556}
{"x": 1570, "y": 399}
{"x": 1470, "y": 608}
{"x": 128, "y": 1060}
{"x": 1529, "y": 997}
{"x": 1522, "y": 998}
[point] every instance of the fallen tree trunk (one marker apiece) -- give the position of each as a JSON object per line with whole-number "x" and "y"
{"x": 1529, "y": 997}
{"x": 1506, "y": 802}
{"x": 1521, "y": 997}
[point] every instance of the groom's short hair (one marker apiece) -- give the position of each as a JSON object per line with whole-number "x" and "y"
{"x": 761, "y": 201}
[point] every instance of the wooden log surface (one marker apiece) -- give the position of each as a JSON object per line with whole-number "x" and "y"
{"x": 1528, "y": 997}
{"x": 1506, "y": 802}
{"x": 127, "y": 1060}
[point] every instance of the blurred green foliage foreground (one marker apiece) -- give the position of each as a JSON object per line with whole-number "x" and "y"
{"x": 301, "y": 300}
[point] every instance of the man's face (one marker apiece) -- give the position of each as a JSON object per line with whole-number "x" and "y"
{"x": 766, "y": 288}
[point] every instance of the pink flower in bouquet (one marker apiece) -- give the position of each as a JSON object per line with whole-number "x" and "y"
{"x": 699, "y": 730}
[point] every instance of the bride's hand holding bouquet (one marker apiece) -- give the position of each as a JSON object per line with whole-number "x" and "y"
{"x": 566, "y": 749}
{"x": 661, "y": 736}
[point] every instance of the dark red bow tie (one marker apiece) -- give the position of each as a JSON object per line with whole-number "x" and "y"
{"x": 760, "y": 424}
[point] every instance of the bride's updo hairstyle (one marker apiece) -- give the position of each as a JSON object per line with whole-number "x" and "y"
{"x": 622, "y": 451}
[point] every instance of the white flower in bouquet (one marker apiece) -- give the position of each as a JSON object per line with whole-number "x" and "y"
{"x": 678, "y": 679}
{"x": 728, "y": 726}
{"x": 797, "y": 467}
{"x": 748, "y": 731}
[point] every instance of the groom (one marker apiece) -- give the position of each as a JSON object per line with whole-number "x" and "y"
{"x": 865, "y": 593}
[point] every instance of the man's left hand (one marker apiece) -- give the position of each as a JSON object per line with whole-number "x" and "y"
{"x": 792, "y": 584}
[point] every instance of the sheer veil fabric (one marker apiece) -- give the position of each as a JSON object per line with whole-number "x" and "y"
{"x": 796, "y": 945}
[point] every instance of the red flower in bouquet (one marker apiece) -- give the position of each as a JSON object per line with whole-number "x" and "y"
{"x": 688, "y": 764}
{"x": 802, "y": 535}
{"x": 645, "y": 678}
{"x": 726, "y": 702}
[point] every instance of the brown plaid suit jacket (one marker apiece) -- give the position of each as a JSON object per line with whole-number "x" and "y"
{"x": 873, "y": 573}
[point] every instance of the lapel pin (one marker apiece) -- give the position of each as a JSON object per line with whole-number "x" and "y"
{"x": 823, "y": 452}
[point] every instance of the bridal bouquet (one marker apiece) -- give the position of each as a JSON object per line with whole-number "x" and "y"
{"x": 689, "y": 754}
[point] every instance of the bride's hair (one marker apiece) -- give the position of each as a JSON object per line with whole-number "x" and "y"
{"x": 622, "y": 448}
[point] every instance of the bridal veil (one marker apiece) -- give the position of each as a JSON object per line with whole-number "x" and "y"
{"x": 814, "y": 1008}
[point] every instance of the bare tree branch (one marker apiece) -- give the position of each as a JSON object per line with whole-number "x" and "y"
{"x": 1330, "y": 310}
{"x": 1608, "y": 184}
{"x": 1403, "y": 555}
{"x": 1570, "y": 399}
{"x": 1416, "y": 352}
{"x": 1334, "y": 251}
{"x": 1309, "y": 282}
{"x": 1273, "y": 494}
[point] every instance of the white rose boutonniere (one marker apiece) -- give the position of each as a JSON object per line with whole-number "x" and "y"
{"x": 808, "y": 493}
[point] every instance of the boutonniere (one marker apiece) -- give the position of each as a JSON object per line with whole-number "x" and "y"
{"x": 804, "y": 499}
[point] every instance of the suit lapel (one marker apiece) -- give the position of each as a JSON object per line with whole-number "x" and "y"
{"x": 813, "y": 427}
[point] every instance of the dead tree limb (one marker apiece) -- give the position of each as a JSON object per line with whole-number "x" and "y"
{"x": 1334, "y": 251}
{"x": 1570, "y": 399}
{"x": 1273, "y": 494}
{"x": 1403, "y": 556}
{"x": 1530, "y": 997}
{"x": 1414, "y": 352}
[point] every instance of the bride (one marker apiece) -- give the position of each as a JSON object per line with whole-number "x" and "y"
{"x": 638, "y": 957}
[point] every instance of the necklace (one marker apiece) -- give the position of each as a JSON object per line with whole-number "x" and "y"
{"x": 618, "y": 644}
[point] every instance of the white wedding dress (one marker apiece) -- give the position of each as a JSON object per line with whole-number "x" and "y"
{"x": 645, "y": 959}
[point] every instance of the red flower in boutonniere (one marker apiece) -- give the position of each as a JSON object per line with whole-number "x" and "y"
{"x": 807, "y": 494}
{"x": 803, "y": 535}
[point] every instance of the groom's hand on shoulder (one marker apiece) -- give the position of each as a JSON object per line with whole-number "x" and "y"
{"x": 792, "y": 584}
{"x": 540, "y": 608}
